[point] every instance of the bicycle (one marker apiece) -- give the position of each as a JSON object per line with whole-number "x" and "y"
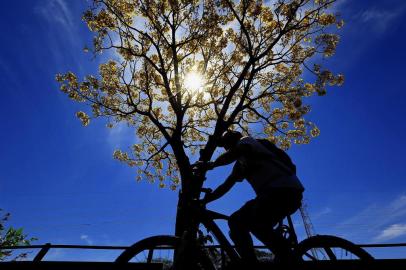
{"x": 318, "y": 247}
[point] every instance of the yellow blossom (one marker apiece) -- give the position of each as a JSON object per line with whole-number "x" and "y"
{"x": 84, "y": 118}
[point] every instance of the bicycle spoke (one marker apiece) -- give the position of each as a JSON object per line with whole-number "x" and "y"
{"x": 310, "y": 256}
{"x": 150, "y": 254}
{"x": 330, "y": 253}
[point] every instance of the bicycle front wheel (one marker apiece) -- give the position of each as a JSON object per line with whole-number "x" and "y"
{"x": 158, "y": 249}
{"x": 155, "y": 249}
{"x": 327, "y": 247}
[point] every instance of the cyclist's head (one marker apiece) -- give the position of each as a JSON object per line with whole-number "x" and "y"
{"x": 229, "y": 139}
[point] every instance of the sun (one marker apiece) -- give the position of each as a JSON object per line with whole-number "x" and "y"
{"x": 194, "y": 81}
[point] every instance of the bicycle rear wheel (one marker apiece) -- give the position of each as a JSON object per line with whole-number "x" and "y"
{"x": 158, "y": 249}
{"x": 328, "y": 247}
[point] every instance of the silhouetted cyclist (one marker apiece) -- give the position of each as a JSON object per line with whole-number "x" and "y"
{"x": 271, "y": 173}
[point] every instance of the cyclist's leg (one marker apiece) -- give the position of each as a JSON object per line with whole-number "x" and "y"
{"x": 262, "y": 229}
{"x": 239, "y": 223}
{"x": 270, "y": 209}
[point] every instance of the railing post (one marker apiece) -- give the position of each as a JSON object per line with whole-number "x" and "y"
{"x": 42, "y": 252}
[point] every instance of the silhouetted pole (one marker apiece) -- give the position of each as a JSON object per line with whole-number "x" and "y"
{"x": 307, "y": 224}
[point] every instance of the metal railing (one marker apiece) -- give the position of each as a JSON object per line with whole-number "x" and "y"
{"x": 46, "y": 247}
{"x": 38, "y": 263}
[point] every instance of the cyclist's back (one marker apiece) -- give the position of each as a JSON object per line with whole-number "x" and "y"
{"x": 278, "y": 190}
{"x": 263, "y": 169}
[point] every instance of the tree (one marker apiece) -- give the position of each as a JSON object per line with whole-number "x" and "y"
{"x": 12, "y": 237}
{"x": 186, "y": 71}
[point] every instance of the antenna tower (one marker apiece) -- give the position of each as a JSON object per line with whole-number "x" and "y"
{"x": 307, "y": 224}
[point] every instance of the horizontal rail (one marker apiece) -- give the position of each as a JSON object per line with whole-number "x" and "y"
{"x": 45, "y": 248}
{"x": 212, "y": 246}
{"x": 382, "y": 245}
{"x": 393, "y": 264}
{"x": 50, "y": 265}
{"x": 66, "y": 246}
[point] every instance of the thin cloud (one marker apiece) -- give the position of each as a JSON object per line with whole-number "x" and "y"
{"x": 399, "y": 203}
{"x": 393, "y": 210}
{"x": 380, "y": 20}
{"x": 321, "y": 213}
{"x": 56, "y": 254}
{"x": 377, "y": 219}
{"x": 86, "y": 238}
{"x": 56, "y": 11}
{"x": 62, "y": 23}
{"x": 391, "y": 232}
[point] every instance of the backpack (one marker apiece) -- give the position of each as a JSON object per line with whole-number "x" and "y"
{"x": 279, "y": 156}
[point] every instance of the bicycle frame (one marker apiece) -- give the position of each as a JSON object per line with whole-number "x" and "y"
{"x": 208, "y": 218}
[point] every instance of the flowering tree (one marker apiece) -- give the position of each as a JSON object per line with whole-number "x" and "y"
{"x": 186, "y": 71}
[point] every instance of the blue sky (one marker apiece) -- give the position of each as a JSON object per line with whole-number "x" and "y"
{"x": 61, "y": 184}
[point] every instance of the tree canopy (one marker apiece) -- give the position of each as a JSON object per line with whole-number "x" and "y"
{"x": 184, "y": 72}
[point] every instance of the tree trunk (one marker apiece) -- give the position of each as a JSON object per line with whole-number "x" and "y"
{"x": 187, "y": 223}
{"x": 186, "y": 228}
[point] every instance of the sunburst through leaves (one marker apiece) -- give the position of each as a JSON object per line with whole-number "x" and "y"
{"x": 194, "y": 82}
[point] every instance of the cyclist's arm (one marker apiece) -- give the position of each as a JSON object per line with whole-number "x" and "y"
{"x": 222, "y": 189}
{"x": 237, "y": 175}
{"x": 231, "y": 155}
